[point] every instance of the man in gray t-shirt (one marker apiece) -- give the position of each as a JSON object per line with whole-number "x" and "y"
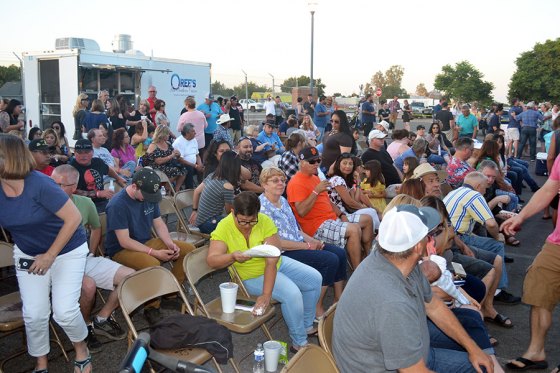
{"x": 380, "y": 322}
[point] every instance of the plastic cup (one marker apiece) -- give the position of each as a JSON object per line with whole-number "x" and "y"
{"x": 228, "y": 294}
{"x": 271, "y": 354}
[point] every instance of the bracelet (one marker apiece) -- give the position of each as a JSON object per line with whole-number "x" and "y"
{"x": 150, "y": 251}
{"x": 195, "y": 209}
{"x": 308, "y": 246}
{"x": 315, "y": 192}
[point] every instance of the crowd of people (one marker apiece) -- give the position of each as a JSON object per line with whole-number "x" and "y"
{"x": 305, "y": 184}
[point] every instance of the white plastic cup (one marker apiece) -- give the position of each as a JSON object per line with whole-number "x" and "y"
{"x": 228, "y": 293}
{"x": 271, "y": 355}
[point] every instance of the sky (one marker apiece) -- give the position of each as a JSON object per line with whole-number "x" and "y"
{"x": 353, "y": 38}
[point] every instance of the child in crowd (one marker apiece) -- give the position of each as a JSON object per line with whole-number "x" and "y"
{"x": 356, "y": 136}
{"x": 374, "y": 185}
{"x": 409, "y": 164}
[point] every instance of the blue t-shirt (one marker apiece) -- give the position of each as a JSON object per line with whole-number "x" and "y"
{"x": 273, "y": 138}
{"x": 467, "y": 124}
{"x": 514, "y": 123}
{"x": 399, "y": 161}
{"x": 31, "y": 217}
{"x": 368, "y": 118}
{"x": 92, "y": 120}
{"x": 215, "y": 111}
{"x": 124, "y": 212}
{"x": 320, "y": 121}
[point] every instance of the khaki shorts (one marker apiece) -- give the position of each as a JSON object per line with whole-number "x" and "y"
{"x": 541, "y": 287}
{"x": 513, "y": 134}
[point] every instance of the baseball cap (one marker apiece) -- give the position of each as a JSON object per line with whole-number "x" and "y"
{"x": 426, "y": 169}
{"x": 404, "y": 226}
{"x": 149, "y": 184}
{"x": 385, "y": 125}
{"x": 309, "y": 153}
{"x": 210, "y": 97}
{"x": 376, "y": 134}
{"x": 83, "y": 144}
{"x": 38, "y": 144}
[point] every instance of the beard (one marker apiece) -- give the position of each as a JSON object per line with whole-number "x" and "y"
{"x": 246, "y": 156}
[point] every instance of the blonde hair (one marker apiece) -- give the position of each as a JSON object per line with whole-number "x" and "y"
{"x": 50, "y": 131}
{"x": 270, "y": 172}
{"x": 162, "y": 133}
{"x": 311, "y": 124}
{"x": 78, "y": 104}
{"x": 250, "y": 129}
{"x": 402, "y": 199}
{"x": 16, "y": 161}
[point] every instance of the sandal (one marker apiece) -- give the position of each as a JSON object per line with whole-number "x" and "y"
{"x": 81, "y": 365}
{"x": 41, "y": 371}
{"x": 527, "y": 364}
{"x": 493, "y": 341}
{"x": 512, "y": 241}
{"x": 500, "y": 320}
{"x": 556, "y": 370}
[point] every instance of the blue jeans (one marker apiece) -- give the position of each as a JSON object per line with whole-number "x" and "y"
{"x": 528, "y": 133}
{"x": 441, "y": 360}
{"x": 320, "y": 137}
{"x": 521, "y": 167}
{"x": 489, "y": 244}
{"x": 210, "y": 225}
{"x": 437, "y": 159}
{"x": 513, "y": 199}
{"x": 297, "y": 288}
{"x": 330, "y": 262}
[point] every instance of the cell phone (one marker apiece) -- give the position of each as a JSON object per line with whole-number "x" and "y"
{"x": 24, "y": 264}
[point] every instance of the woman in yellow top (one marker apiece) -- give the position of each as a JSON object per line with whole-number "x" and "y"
{"x": 295, "y": 285}
{"x": 373, "y": 185}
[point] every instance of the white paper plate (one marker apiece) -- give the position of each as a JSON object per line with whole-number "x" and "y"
{"x": 263, "y": 251}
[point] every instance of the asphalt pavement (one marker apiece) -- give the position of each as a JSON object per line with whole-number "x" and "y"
{"x": 512, "y": 342}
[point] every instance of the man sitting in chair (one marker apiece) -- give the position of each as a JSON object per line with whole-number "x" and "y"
{"x": 131, "y": 215}
{"x": 100, "y": 272}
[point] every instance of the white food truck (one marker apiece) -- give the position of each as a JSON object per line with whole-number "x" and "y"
{"x": 53, "y": 79}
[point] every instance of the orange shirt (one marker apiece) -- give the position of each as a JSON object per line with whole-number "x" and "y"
{"x": 299, "y": 188}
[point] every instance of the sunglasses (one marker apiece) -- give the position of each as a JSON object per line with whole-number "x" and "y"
{"x": 335, "y": 121}
{"x": 314, "y": 161}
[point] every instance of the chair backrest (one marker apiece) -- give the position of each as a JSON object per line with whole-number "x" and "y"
{"x": 195, "y": 264}
{"x": 326, "y": 329}
{"x": 311, "y": 358}
{"x": 6, "y": 254}
{"x": 164, "y": 179}
{"x": 166, "y": 207}
{"x": 184, "y": 199}
{"x": 100, "y": 251}
{"x": 145, "y": 285}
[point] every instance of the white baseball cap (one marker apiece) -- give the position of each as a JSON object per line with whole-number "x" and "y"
{"x": 376, "y": 134}
{"x": 404, "y": 226}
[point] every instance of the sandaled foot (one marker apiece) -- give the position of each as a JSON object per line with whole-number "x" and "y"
{"x": 525, "y": 364}
{"x": 500, "y": 320}
{"x": 512, "y": 241}
{"x": 556, "y": 370}
{"x": 83, "y": 366}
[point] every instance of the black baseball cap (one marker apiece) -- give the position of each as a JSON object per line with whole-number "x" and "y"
{"x": 38, "y": 144}
{"x": 149, "y": 184}
{"x": 83, "y": 144}
{"x": 309, "y": 153}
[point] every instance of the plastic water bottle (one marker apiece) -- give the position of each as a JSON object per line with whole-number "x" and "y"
{"x": 258, "y": 365}
{"x": 163, "y": 192}
{"x": 111, "y": 185}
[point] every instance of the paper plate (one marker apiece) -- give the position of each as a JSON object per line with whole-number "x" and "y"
{"x": 263, "y": 251}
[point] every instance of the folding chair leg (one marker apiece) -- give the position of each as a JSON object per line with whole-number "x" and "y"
{"x": 58, "y": 342}
{"x": 234, "y": 365}
{"x": 266, "y": 332}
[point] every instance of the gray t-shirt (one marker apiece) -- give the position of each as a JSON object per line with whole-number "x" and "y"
{"x": 213, "y": 199}
{"x": 104, "y": 155}
{"x": 380, "y": 322}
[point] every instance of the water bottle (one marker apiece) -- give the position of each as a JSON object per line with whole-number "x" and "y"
{"x": 163, "y": 192}
{"x": 111, "y": 185}
{"x": 258, "y": 365}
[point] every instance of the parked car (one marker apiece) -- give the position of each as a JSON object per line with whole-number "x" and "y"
{"x": 504, "y": 118}
{"x": 252, "y": 105}
{"x": 428, "y": 110}
{"x": 417, "y": 107}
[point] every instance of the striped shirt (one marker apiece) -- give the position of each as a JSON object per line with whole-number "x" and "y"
{"x": 213, "y": 199}
{"x": 466, "y": 207}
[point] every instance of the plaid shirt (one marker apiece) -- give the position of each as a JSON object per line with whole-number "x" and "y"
{"x": 530, "y": 118}
{"x": 289, "y": 164}
{"x": 222, "y": 133}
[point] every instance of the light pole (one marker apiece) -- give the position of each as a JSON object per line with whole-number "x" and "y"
{"x": 312, "y": 7}
{"x": 272, "y": 81}
{"x": 247, "y": 110}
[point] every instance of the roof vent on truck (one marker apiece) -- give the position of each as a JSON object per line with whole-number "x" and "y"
{"x": 76, "y": 43}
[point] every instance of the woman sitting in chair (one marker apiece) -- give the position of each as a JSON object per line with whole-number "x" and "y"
{"x": 295, "y": 285}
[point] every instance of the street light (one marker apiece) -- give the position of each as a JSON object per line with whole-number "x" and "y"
{"x": 272, "y": 81}
{"x": 312, "y": 7}
{"x": 246, "y": 111}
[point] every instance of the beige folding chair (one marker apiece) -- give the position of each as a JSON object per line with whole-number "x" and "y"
{"x": 100, "y": 250}
{"x": 4, "y": 236}
{"x": 165, "y": 180}
{"x": 11, "y": 316}
{"x": 311, "y": 358}
{"x": 145, "y": 285}
{"x": 241, "y": 322}
{"x": 166, "y": 209}
{"x": 326, "y": 330}
{"x": 184, "y": 200}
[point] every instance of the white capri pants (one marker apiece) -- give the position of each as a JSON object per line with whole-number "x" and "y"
{"x": 64, "y": 281}
{"x": 371, "y": 212}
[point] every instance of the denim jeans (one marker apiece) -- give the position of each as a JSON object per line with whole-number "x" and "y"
{"x": 297, "y": 288}
{"x": 489, "y": 244}
{"x": 437, "y": 159}
{"x": 442, "y": 360}
{"x": 513, "y": 199}
{"x": 320, "y": 137}
{"x": 521, "y": 167}
{"x": 528, "y": 133}
{"x": 516, "y": 180}
{"x": 330, "y": 262}
{"x": 210, "y": 225}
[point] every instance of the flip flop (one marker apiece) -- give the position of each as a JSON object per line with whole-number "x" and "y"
{"x": 527, "y": 364}
{"x": 500, "y": 320}
{"x": 512, "y": 241}
{"x": 556, "y": 370}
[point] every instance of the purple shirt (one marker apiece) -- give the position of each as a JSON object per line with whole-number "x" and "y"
{"x": 126, "y": 156}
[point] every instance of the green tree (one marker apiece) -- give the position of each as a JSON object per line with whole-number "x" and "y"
{"x": 389, "y": 82}
{"x": 464, "y": 82}
{"x": 10, "y": 73}
{"x": 378, "y": 80}
{"x": 421, "y": 90}
{"x": 537, "y": 77}
{"x": 219, "y": 88}
{"x": 393, "y": 76}
{"x": 302, "y": 81}
{"x": 239, "y": 90}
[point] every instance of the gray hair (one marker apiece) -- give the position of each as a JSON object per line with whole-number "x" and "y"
{"x": 419, "y": 145}
{"x": 487, "y": 163}
{"x": 475, "y": 177}
{"x": 67, "y": 170}
{"x": 187, "y": 128}
{"x": 101, "y": 92}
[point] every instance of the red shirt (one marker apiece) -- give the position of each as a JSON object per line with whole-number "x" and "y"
{"x": 47, "y": 170}
{"x": 152, "y": 102}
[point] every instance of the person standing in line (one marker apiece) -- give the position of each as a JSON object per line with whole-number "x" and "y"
{"x": 152, "y": 92}
{"x": 368, "y": 114}
{"x": 212, "y": 112}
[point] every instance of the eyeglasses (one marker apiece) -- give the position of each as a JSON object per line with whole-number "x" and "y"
{"x": 277, "y": 180}
{"x": 244, "y": 223}
{"x": 152, "y": 91}
{"x": 439, "y": 229}
{"x": 335, "y": 121}
{"x": 65, "y": 185}
{"x": 56, "y": 127}
{"x": 314, "y": 161}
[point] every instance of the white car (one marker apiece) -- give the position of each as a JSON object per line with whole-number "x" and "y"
{"x": 252, "y": 105}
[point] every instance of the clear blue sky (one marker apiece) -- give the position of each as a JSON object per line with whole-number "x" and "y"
{"x": 353, "y": 38}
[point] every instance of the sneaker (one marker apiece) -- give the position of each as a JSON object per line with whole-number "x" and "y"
{"x": 110, "y": 329}
{"x": 152, "y": 315}
{"x": 507, "y": 298}
{"x": 93, "y": 343}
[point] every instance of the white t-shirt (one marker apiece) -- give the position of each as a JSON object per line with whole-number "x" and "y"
{"x": 188, "y": 148}
{"x": 270, "y": 107}
{"x": 103, "y": 154}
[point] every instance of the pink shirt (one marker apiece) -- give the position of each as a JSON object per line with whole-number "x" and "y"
{"x": 393, "y": 149}
{"x": 554, "y": 237}
{"x": 198, "y": 120}
{"x": 128, "y": 155}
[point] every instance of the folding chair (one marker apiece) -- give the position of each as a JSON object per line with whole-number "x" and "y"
{"x": 11, "y": 316}
{"x": 311, "y": 358}
{"x": 326, "y": 330}
{"x": 184, "y": 200}
{"x": 145, "y": 285}
{"x": 241, "y": 322}
{"x": 165, "y": 180}
{"x": 167, "y": 208}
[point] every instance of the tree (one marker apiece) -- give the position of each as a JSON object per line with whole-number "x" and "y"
{"x": 378, "y": 80}
{"x": 463, "y": 82}
{"x": 10, "y": 73}
{"x": 337, "y": 94}
{"x": 302, "y": 81}
{"x": 390, "y": 83}
{"x": 421, "y": 90}
{"x": 393, "y": 76}
{"x": 219, "y": 88}
{"x": 537, "y": 77}
{"x": 239, "y": 90}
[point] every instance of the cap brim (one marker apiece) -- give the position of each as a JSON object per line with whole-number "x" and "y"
{"x": 441, "y": 174}
{"x": 433, "y": 217}
{"x": 312, "y": 159}
{"x": 152, "y": 197}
